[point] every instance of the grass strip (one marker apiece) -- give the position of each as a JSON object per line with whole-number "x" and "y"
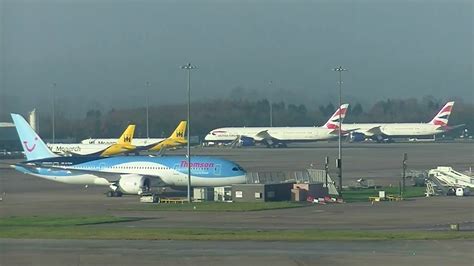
{"x": 42, "y": 221}
{"x": 36, "y": 227}
{"x": 91, "y": 232}
{"x": 217, "y": 206}
{"x": 362, "y": 195}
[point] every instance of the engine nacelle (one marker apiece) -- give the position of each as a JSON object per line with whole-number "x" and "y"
{"x": 357, "y": 137}
{"x": 134, "y": 184}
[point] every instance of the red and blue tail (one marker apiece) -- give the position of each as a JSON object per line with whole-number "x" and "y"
{"x": 340, "y": 114}
{"x": 441, "y": 119}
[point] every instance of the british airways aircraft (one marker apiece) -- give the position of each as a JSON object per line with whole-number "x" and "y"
{"x": 123, "y": 174}
{"x": 380, "y": 131}
{"x": 280, "y": 136}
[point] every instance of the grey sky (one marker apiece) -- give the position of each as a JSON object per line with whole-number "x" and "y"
{"x": 101, "y": 53}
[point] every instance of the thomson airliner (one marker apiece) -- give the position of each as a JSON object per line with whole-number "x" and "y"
{"x": 123, "y": 174}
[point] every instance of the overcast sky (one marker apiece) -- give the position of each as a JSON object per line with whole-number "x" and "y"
{"x": 101, "y": 53}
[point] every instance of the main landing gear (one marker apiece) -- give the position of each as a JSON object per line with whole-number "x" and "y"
{"x": 114, "y": 191}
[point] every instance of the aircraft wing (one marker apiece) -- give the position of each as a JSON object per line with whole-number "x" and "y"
{"x": 111, "y": 177}
{"x": 375, "y": 130}
{"x": 343, "y": 132}
{"x": 149, "y": 146}
{"x": 448, "y": 128}
{"x": 264, "y": 135}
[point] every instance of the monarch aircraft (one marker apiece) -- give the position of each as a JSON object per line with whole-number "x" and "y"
{"x": 122, "y": 145}
{"x": 123, "y": 174}
{"x": 156, "y": 144}
{"x": 176, "y": 139}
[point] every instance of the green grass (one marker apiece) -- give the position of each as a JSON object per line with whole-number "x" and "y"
{"x": 86, "y": 228}
{"x": 220, "y": 206}
{"x": 361, "y": 195}
{"x": 46, "y": 221}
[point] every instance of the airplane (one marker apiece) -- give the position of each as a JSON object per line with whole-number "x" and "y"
{"x": 280, "y": 136}
{"x": 153, "y": 144}
{"x": 175, "y": 140}
{"x": 384, "y": 131}
{"x": 135, "y": 141}
{"x": 123, "y": 174}
{"x": 122, "y": 145}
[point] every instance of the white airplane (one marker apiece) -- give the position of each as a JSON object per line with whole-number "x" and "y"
{"x": 135, "y": 142}
{"x": 122, "y": 145}
{"x": 279, "y": 136}
{"x": 176, "y": 139}
{"x": 123, "y": 174}
{"x": 382, "y": 131}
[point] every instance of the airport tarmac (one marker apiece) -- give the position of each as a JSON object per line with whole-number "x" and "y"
{"x": 378, "y": 161}
{"x": 24, "y": 195}
{"x": 276, "y": 253}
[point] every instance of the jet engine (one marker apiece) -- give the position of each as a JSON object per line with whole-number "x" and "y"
{"x": 134, "y": 184}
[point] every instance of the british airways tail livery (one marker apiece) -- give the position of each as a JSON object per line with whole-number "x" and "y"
{"x": 441, "y": 119}
{"x": 338, "y": 116}
{"x": 123, "y": 174}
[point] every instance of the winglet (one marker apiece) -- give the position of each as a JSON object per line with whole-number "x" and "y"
{"x": 333, "y": 122}
{"x": 33, "y": 146}
{"x": 441, "y": 119}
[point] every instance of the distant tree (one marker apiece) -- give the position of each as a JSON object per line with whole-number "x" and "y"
{"x": 357, "y": 110}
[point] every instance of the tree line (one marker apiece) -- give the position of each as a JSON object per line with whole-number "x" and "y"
{"x": 210, "y": 114}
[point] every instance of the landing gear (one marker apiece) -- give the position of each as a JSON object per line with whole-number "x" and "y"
{"x": 114, "y": 194}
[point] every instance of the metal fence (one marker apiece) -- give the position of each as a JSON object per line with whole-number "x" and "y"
{"x": 307, "y": 176}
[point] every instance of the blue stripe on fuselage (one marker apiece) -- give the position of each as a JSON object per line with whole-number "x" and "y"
{"x": 202, "y": 166}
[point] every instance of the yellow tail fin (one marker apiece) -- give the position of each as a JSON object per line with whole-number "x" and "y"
{"x": 179, "y": 131}
{"x": 127, "y": 135}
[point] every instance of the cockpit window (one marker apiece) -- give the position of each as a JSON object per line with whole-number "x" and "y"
{"x": 235, "y": 169}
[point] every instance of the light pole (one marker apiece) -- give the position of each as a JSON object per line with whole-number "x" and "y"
{"x": 271, "y": 103}
{"x": 147, "y": 108}
{"x": 188, "y": 67}
{"x": 53, "y": 91}
{"x": 340, "y": 69}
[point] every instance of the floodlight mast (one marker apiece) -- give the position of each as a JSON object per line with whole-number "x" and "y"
{"x": 340, "y": 69}
{"x": 188, "y": 67}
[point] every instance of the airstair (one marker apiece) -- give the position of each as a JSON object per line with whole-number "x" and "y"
{"x": 448, "y": 177}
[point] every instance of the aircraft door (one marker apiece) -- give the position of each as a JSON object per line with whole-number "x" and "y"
{"x": 217, "y": 169}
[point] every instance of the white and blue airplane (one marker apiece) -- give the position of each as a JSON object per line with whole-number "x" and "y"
{"x": 123, "y": 174}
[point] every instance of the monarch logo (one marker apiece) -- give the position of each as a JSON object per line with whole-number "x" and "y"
{"x": 32, "y": 147}
{"x": 179, "y": 134}
{"x": 127, "y": 139}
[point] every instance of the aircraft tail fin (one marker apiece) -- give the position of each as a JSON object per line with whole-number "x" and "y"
{"x": 127, "y": 135}
{"x": 179, "y": 131}
{"x": 340, "y": 114}
{"x": 33, "y": 146}
{"x": 441, "y": 119}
